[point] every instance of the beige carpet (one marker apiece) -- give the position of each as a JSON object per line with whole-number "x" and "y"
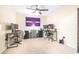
{"x": 39, "y": 46}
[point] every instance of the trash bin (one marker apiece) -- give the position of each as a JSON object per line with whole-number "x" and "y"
{"x": 62, "y": 40}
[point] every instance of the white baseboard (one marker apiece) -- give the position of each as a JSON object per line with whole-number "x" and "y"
{"x": 2, "y": 50}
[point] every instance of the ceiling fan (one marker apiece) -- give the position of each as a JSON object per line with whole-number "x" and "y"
{"x": 37, "y": 9}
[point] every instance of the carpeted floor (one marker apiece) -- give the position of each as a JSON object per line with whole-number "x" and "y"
{"x": 39, "y": 46}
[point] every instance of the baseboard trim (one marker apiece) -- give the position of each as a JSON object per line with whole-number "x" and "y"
{"x": 3, "y": 50}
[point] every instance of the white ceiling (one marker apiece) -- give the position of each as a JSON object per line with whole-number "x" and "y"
{"x": 23, "y": 9}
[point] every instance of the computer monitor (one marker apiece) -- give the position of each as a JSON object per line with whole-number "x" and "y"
{"x": 45, "y": 26}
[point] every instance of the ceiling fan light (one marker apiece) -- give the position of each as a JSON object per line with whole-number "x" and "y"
{"x": 40, "y": 13}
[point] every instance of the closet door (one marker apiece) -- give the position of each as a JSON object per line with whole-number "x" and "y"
{"x": 78, "y": 30}
{"x": 2, "y": 39}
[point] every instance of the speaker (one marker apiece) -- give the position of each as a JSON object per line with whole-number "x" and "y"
{"x": 26, "y": 36}
{"x": 40, "y": 33}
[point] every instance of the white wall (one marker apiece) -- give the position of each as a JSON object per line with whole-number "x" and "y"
{"x": 65, "y": 20}
{"x": 7, "y": 15}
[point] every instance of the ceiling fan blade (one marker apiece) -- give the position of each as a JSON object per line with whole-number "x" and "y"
{"x": 31, "y": 8}
{"x": 43, "y": 9}
{"x": 40, "y": 12}
{"x": 34, "y": 11}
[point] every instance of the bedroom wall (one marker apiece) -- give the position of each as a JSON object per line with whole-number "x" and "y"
{"x": 7, "y": 16}
{"x": 65, "y": 20}
{"x": 21, "y": 21}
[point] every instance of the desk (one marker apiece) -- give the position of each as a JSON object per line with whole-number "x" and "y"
{"x": 53, "y": 31}
{"x": 33, "y": 34}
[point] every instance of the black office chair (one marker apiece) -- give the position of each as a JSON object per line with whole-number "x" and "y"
{"x": 19, "y": 36}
